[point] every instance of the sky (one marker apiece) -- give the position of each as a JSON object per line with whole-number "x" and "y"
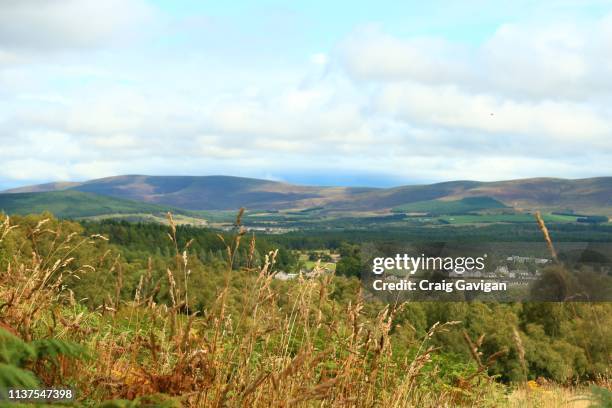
{"x": 311, "y": 92}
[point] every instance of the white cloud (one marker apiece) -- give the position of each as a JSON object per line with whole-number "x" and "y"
{"x": 449, "y": 107}
{"x": 27, "y": 169}
{"x": 68, "y": 24}
{"x": 565, "y": 59}
{"x": 371, "y": 54}
{"x": 531, "y": 100}
{"x": 319, "y": 59}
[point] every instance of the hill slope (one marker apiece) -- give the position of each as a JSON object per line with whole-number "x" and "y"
{"x": 592, "y": 195}
{"x": 207, "y": 192}
{"x": 75, "y": 204}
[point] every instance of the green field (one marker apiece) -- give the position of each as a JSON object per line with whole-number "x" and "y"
{"x": 505, "y": 218}
{"x": 309, "y": 265}
{"x": 464, "y": 205}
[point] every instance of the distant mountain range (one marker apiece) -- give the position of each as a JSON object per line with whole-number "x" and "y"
{"x": 590, "y": 196}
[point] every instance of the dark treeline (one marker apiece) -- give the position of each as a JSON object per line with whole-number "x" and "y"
{"x": 139, "y": 240}
{"x": 334, "y": 239}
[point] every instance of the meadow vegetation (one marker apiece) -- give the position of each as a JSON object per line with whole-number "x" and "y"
{"x": 145, "y": 315}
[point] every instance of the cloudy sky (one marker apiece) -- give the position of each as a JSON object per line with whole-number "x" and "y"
{"x": 316, "y": 92}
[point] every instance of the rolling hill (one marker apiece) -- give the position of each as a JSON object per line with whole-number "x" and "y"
{"x": 206, "y": 192}
{"x": 77, "y": 204}
{"x": 589, "y": 196}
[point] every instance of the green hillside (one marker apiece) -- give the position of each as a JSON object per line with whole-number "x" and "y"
{"x": 75, "y": 204}
{"x": 462, "y": 206}
{"x": 195, "y": 193}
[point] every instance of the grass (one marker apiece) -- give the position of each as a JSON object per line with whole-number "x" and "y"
{"x": 461, "y": 206}
{"x": 265, "y": 355}
{"x": 259, "y": 344}
{"x": 310, "y": 265}
{"x": 551, "y": 396}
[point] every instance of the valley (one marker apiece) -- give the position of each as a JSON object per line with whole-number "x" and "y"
{"x": 277, "y": 207}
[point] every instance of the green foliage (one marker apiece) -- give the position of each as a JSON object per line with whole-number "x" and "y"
{"x": 17, "y": 358}
{"x": 51, "y": 349}
{"x": 15, "y": 377}
{"x": 602, "y": 397}
{"x": 562, "y": 342}
{"x": 317, "y": 239}
{"x": 13, "y": 350}
{"x": 553, "y": 334}
{"x": 137, "y": 242}
{"x": 552, "y": 357}
{"x": 14, "y": 354}
{"x": 594, "y": 219}
{"x": 350, "y": 266}
{"x": 351, "y": 263}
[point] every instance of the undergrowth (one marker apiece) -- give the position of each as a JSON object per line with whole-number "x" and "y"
{"x": 256, "y": 344}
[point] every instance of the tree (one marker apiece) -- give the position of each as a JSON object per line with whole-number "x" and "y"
{"x": 350, "y": 266}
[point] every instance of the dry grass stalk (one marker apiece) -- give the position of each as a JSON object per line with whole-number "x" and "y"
{"x": 520, "y": 350}
{"x": 544, "y": 229}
